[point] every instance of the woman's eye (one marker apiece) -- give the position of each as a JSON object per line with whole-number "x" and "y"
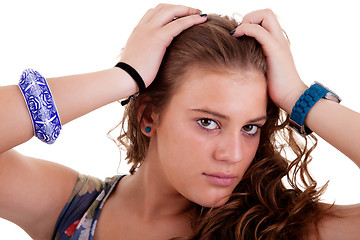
{"x": 208, "y": 124}
{"x": 251, "y": 129}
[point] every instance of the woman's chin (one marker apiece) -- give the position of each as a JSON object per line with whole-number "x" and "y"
{"x": 214, "y": 203}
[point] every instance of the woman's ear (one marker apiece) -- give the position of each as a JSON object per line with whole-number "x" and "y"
{"x": 148, "y": 118}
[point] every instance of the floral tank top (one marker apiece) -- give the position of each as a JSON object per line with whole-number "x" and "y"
{"x": 79, "y": 217}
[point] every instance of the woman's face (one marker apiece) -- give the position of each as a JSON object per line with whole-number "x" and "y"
{"x": 208, "y": 135}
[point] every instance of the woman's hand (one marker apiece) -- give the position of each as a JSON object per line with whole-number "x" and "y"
{"x": 284, "y": 83}
{"x": 285, "y": 86}
{"x": 75, "y": 96}
{"x": 147, "y": 44}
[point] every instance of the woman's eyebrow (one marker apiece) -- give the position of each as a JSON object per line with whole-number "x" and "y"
{"x": 219, "y": 115}
{"x": 216, "y": 114}
{"x": 258, "y": 119}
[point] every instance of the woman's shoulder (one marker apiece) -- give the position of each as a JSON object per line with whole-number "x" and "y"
{"x": 87, "y": 186}
{"x": 339, "y": 222}
{"x": 84, "y": 205}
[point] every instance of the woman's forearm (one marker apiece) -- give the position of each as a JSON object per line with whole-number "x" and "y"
{"x": 78, "y": 95}
{"x": 74, "y": 96}
{"x": 333, "y": 122}
{"x": 338, "y": 125}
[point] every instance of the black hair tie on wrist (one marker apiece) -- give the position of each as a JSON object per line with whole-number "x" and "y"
{"x": 137, "y": 78}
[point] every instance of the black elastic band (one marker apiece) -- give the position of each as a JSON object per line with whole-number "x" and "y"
{"x": 135, "y": 75}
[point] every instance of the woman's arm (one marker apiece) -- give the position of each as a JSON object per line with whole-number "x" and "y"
{"x": 338, "y": 125}
{"x": 344, "y": 224}
{"x": 333, "y": 122}
{"x": 34, "y": 191}
{"x": 74, "y": 96}
{"x": 77, "y": 95}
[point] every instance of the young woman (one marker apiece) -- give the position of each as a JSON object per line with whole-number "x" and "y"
{"x": 205, "y": 138}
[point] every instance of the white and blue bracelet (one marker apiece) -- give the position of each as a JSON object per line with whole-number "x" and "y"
{"x": 41, "y": 105}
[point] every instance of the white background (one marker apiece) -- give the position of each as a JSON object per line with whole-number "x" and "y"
{"x": 69, "y": 37}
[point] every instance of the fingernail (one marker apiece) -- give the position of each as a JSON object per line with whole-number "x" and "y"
{"x": 203, "y": 15}
{"x": 232, "y": 32}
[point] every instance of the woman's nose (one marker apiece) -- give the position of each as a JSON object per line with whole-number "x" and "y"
{"x": 230, "y": 148}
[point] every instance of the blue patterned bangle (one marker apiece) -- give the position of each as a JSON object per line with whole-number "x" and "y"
{"x": 41, "y": 105}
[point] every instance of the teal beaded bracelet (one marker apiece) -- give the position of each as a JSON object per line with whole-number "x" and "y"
{"x": 305, "y": 103}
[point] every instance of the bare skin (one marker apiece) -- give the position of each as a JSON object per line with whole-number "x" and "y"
{"x": 34, "y": 179}
{"x": 159, "y": 192}
{"x": 285, "y": 87}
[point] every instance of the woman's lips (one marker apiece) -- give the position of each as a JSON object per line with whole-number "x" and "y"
{"x": 220, "y": 179}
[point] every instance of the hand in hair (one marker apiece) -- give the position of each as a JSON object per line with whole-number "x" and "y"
{"x": 284, "y": 83}
{"x": 147, "y": 44}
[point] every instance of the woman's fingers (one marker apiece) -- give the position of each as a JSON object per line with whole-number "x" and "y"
{"x": 162, "y": 14}
{"x": 282, "y": 77}
{"x": 170, "y": 20}
{"x": 265, "y": 18}
{"x": 257, "y": 23}
{"x": 258, "y": 32}
{"x": 153, "y": 35}
{"x": 175, "y": 27}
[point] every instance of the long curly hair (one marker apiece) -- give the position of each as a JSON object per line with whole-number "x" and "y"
{"x": 277, "y": 196}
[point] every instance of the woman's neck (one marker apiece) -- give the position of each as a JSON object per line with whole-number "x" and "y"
{"x": 151, "y": 195}
{"x": 144, "y": 207}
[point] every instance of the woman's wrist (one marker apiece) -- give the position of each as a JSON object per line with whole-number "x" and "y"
{"x": 289, "y": 101}
{"x": 78, "y": 95}
{"x": 306, "y": 103}
{"x": 123, "y": 84}
{"x": 136, "y": 77}
{"x": 41, "y": 106}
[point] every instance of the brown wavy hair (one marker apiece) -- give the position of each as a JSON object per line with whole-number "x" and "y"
{"x": 263, "y": 205}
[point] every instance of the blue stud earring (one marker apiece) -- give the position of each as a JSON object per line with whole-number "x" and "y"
{"x": 148, "y": 129}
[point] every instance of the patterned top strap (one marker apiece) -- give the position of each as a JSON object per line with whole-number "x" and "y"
{"x": 79, "y": 217}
